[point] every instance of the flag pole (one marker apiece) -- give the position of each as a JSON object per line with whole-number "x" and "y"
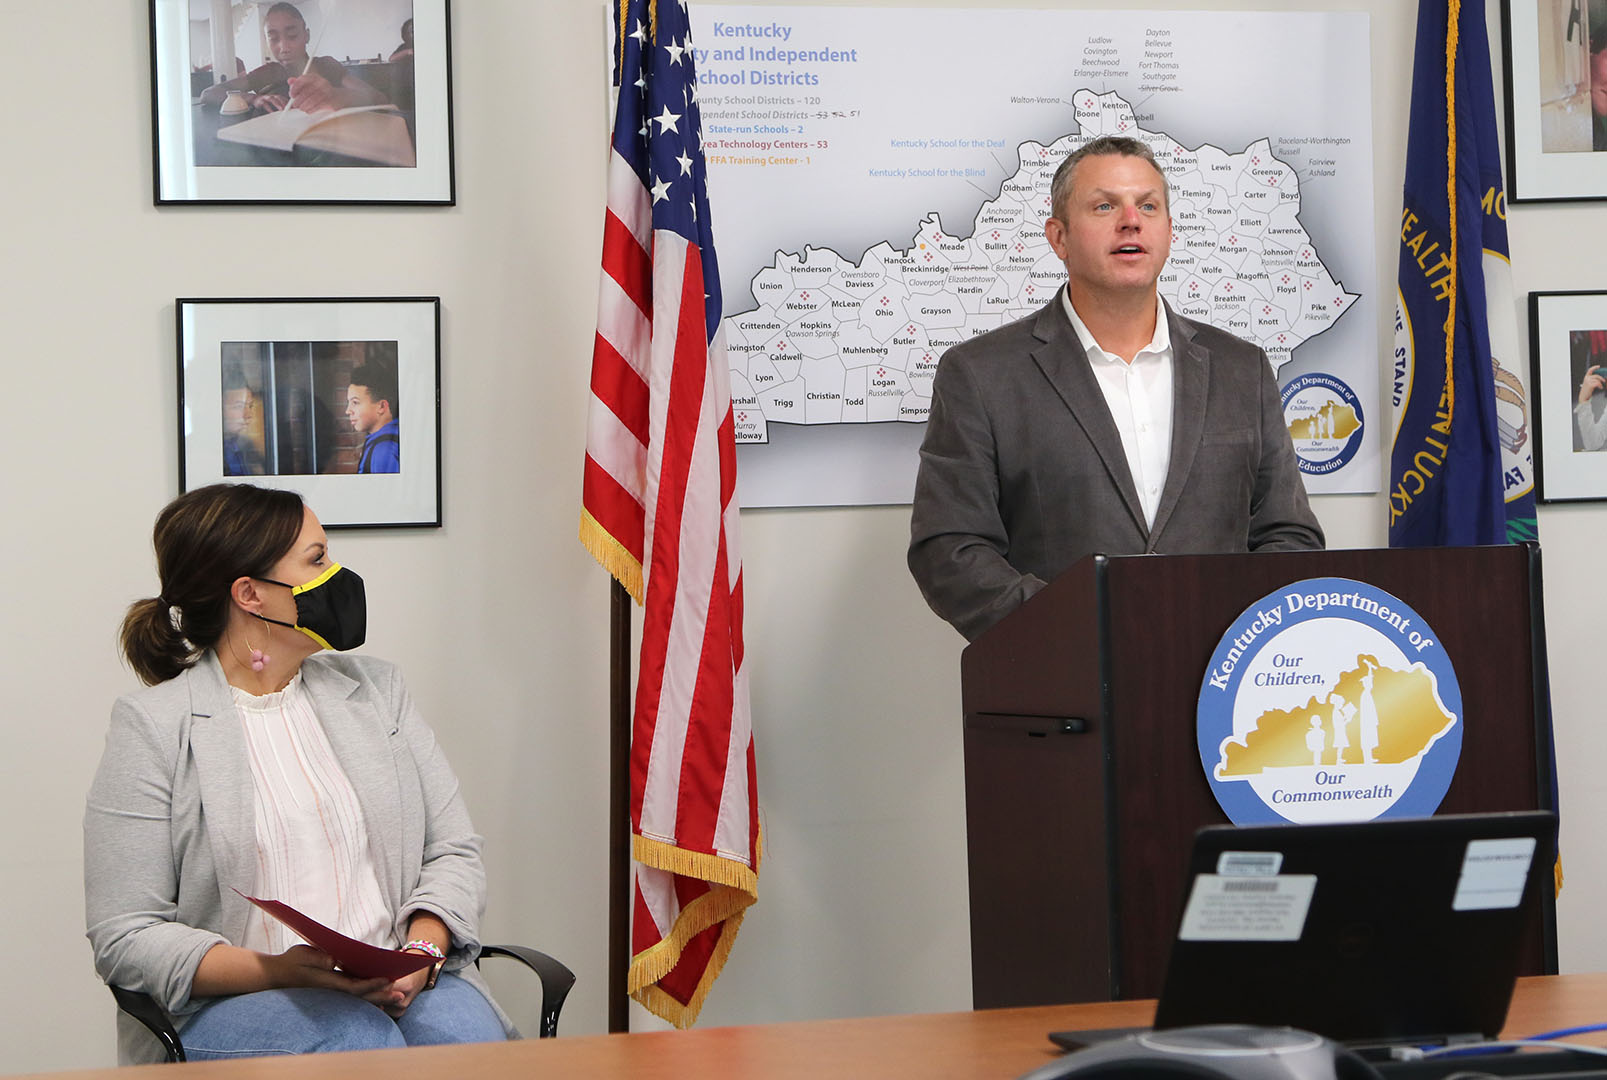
{"x": 619, "y": 744}
{"x": 619, "y": 805}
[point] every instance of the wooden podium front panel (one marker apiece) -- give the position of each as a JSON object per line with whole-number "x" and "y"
{"x": 1040, "y": 886}
{"x": 1165, "y": 619}
{"x": 1035, "y": 801}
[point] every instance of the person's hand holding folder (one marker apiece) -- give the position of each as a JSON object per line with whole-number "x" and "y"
{"x": 305, "y": 965}
{"x": 353, "y": 957}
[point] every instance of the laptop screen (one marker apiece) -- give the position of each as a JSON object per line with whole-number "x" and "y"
{"x": 1395, "y": 930}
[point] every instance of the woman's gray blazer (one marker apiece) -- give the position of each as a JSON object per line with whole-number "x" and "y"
{"x": 170, "y": 828}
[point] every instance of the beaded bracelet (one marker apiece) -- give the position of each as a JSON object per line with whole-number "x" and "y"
{"x": 425, "y": 947}
{"x": 434, "y": 951}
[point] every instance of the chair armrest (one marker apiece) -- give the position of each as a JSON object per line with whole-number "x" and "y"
{"x": 556, "y": 979}
{"x": 144, "y": 1008}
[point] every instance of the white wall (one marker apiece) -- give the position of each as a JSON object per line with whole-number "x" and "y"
{"x": 499, "y": 618}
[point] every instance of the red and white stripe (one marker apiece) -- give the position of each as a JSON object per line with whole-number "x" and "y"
{"x": 615, "y": 477}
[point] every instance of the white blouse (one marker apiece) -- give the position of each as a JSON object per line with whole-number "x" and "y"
{"x": 312, "y": 842}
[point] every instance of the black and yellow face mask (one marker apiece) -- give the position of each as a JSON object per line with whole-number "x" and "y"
{"x": 332, "y": 608}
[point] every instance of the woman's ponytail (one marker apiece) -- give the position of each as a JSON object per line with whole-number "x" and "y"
{"x": 151, "y": 644}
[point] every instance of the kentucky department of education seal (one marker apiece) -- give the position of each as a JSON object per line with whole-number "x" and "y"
{"x": 1329, "y": 700}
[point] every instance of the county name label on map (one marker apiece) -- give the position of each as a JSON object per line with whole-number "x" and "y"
{"x": 834, "y": 341}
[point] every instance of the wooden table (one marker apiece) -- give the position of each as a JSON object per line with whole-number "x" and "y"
{"x": 1001, "y": 1043}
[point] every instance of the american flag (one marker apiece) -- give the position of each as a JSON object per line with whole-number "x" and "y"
{"x": 659, "y": 511}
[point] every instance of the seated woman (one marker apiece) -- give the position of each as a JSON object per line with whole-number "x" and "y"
{"x": 255, "y": 760}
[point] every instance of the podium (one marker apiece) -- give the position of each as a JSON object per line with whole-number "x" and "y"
{"x": 1083, "y": 782}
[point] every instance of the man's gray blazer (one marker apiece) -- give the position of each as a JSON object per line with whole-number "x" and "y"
{"x": 170, "y": 826}
{"x": 1023, "y": 472}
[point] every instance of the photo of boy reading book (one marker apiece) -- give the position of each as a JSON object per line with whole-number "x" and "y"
{"x": 299, "y": 99}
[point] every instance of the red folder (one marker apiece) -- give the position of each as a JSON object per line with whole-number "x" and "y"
{"x": 352, "y": 956}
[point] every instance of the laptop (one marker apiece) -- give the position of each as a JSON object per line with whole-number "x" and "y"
{"x": 1371, "y": 933}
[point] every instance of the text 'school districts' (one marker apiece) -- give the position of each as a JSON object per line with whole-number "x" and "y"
{"x": 752, "y": 44}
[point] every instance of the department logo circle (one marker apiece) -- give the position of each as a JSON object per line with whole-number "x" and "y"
{"x": 1325, "y": 421}
{"x": 1328, "y": 700}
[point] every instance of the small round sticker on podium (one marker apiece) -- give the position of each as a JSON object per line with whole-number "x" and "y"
{"x": 1329, "y": 700}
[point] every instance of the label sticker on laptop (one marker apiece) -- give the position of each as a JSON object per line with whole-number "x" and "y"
{"x": 1493, "y": 874}
{"x": 1329, "y": 700}
{"x": 1244, "y": 863}
{"x": 1223, "y": 907}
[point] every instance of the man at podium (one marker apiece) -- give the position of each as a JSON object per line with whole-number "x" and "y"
{"x": 1104, "y": 422}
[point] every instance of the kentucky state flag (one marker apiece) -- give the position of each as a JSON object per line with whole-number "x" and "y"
{"x": 1461, "y": 468}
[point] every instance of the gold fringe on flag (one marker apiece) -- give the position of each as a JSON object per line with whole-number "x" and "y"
{"x": 711, "y": 868}
{"x": 733, "y": 889}
{"x": 619, "y": 40}
{"x": 670, "y": 1009}
{"x": 612, "y": 555}
{"x": 1453, "y": 17}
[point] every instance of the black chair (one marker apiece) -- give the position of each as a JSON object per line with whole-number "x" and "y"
{"x": 556, "y": 980}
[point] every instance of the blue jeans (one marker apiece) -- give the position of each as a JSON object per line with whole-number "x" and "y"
{"x": 307, "y": 1021}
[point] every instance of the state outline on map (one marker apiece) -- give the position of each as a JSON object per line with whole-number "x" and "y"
{"x": 794, "y": 359}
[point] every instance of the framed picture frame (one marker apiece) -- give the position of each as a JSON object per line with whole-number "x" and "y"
{"x": 338, "y": 399}
{"x": 1556, "y": 143}
{"x": 378, "y": 126}
{"x": 1567, "y": 346}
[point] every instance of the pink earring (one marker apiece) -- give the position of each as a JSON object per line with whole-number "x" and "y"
{"x": 259, "y": 659}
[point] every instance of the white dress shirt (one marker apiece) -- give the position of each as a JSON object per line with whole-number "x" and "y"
{"x": 1139, "y": 396}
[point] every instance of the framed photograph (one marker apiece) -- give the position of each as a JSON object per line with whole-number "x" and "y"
{"x": 337, "y": 399}
{"x": 1568, "y": 348}
{"x": 310, "y": 101}
{"x": 1556, "y": 75}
